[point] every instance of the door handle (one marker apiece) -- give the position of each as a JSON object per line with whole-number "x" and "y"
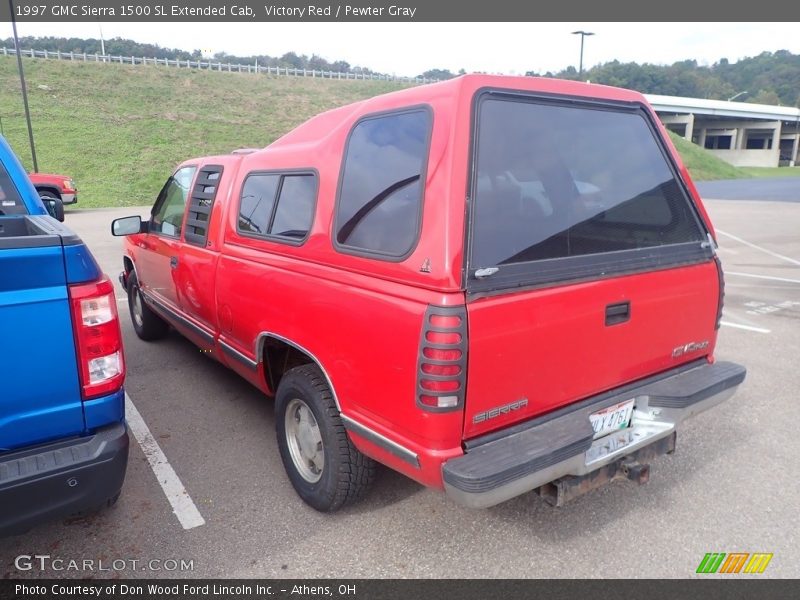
{"x": 173, "y": 261}
{"x": 618, "y": 313}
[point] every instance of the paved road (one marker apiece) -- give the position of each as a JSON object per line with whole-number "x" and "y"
{"x": 781, "y": 189}
{"x": 732, "y": 486}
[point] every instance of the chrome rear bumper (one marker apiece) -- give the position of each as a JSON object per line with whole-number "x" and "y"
{"x": 562, "y": 444}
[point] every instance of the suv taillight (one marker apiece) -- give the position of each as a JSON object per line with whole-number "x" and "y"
{"x": 442, "y": 362}
{"x": 98, "y": 338}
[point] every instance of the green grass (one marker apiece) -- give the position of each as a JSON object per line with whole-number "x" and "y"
{"x": 120, "y": 130}
{"x": 771, "y": 171}
{"x": 702, "y": 165}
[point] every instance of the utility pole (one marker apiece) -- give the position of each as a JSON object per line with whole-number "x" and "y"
{"x": 24, "y": 88}
{"x": 583, "y": 34}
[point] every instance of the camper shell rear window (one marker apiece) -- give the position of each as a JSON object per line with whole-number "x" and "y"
{"x": 566, "y": 189}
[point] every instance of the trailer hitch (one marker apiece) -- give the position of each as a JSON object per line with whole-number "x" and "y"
{"x": 634, "y": 467}
{"x": 636, "y": 471}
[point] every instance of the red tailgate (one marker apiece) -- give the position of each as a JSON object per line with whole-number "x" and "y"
{"x": 552, "y": 346}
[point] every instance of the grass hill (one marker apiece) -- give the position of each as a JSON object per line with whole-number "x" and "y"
{"x": 703, "y": 165}
{"x": 120, "y": 130}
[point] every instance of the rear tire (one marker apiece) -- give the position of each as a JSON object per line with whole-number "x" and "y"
{"x": 325, "y": 468}
{"x": 147, "y": 324}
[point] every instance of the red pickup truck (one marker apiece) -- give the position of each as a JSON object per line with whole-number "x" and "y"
{"x": 59, "y": 187}
{"x": 490, "y": 284}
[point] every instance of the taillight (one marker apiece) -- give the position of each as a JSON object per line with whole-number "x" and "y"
{"x": 721, "y": 298}
{"x": 98, "y": 338}
{"x": 441, "y": 374}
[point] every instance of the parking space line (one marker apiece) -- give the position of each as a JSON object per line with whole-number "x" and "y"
{"x": 762, "y": 249}
{"x": 182, "y": 504}
{"x": 745, "y": 327}
{"x": 768, "y": 277}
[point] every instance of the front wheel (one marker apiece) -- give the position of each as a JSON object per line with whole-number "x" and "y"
{"x": 147, "y": 324}
{"x": 324, "y": 466}
{"x": 48, "y": 194}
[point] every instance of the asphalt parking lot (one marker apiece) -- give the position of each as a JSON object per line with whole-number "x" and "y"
{"x": 732, "y": 486}
{"x": 768, "y": 188}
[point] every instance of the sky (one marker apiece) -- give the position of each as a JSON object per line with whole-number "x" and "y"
{"x": 412, "y": 48}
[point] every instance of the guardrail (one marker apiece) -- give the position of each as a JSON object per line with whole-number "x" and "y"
{"x": 209, "y": 66}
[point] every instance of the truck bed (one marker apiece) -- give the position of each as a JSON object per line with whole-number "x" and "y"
{"x": 33, "y": 231}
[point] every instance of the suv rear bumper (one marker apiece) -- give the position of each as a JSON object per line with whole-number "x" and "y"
{"x": 62, "y": 478}
{"x": 525, "y": 458}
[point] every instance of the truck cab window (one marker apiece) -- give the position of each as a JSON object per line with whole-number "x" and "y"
{"x": 10, "y": 203}
{"x": 167, "y": 215}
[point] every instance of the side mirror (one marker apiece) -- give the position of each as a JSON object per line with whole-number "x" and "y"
{"x": 127, "y": 226}
{"x": 55, "y": 207}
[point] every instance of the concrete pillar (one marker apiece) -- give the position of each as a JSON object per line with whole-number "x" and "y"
{"x": 741, "y": 135}
{"x": 795, "y": 158}
{"x": 689, "y": 127}
{"x": 776, "y": 143}
{"x": 702, "y": 139}
{"x": 776, "y": 137}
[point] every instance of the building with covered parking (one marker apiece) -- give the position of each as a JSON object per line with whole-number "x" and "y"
{"x": 742, "y": 134}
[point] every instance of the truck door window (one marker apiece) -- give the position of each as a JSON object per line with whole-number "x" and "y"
{"x": 382, "y": 182}
{"x": 167, "y": 215}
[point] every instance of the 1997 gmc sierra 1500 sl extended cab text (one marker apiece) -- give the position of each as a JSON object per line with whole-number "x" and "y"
{"x": 63, "y": 439}
{"x": 490, "y": 284}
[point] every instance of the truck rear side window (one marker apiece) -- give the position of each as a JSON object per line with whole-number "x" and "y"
{"x": 278, "y": 205}
{"x": 258, "y": 199}
{"x": 10, "y": 202}
{"x": 295, "y": 210}
{"x": 380, "y": 195}
{"x": 553, "y": 181}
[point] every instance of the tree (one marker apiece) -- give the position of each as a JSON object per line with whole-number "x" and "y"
{"x": 765, "y": 97}
{"x": 290, "y": 59}
{"x": 317, "y": 63}
{"x": 440, "y": 74}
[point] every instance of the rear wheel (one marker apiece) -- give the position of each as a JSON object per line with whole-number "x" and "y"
{"x": 324, "y": 466}
{"x": 147, "y": 324}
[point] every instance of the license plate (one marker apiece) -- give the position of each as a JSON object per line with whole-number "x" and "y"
{"x": 612, "y": 418}
{"x": 609, "y": 444}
